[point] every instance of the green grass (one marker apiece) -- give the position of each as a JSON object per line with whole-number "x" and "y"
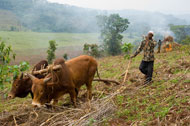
{"x": 34, "y": 40}
{"x": 156, "y": 100}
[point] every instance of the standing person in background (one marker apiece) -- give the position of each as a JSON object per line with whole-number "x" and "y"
{"x": 159, "y": 46}
{"x": 147, "y": 64}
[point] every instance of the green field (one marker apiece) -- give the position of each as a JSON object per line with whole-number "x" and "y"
{"x": 32, "y": 46}
{"x": 34, "y": 40}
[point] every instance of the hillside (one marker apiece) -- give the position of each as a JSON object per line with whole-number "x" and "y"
{"x": 165, "y": 102}
{"x": 32, "y": 46}
{"x": 8, "y": 21}
{"x": 41, "y": 16}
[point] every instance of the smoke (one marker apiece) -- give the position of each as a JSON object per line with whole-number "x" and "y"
{"x": 144, "y": 21}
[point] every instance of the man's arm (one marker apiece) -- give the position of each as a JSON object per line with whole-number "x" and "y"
{"x": 140, "y": 48}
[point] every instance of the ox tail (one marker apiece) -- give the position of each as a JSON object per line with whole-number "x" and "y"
{"x": 98, "y": 73}
{"x": 106, "y": 81}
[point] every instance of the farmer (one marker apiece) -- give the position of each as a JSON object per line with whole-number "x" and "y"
{"x": 159, "y": 45}
{"x": 147, "y": 63}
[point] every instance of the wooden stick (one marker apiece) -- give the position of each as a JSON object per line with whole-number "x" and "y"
{"x": 46, "y": 70}
{"x": 127, "y": 71}
{"x": 15, "y": 121}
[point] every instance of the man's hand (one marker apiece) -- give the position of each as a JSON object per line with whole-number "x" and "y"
{"x": 131, "y": 57}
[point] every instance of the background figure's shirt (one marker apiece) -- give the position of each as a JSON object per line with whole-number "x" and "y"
{"x": 160, "y": 43}
{"x": 148, "y": 50}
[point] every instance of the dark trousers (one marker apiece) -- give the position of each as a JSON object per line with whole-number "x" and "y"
{"x": 146, "y": 68}
{"x": 159, "y": 47}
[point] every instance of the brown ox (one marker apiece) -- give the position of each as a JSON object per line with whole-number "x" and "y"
{"x": 71, "y": 76}
{"x": 21, "y": 86}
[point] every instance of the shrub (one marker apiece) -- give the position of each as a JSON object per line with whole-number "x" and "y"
{"x": 65, "y": 56}
{"x": 51, "y": 51}
{"x": 6, "y": 70}
{"x": 92, "y": 50}
{"x": 127, "y": 48}
{"x": 186, "y": 41}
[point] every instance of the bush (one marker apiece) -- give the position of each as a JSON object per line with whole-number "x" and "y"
{"x": 86, "y": 49}
{"x": 127, "y": 48}
{"x": 6, "y": 70}
{"x": 180, "y": 31}
{"x": 186, "y": 41}
{"x": 92, "y": 50}
{"x": 65, "y": 56}
{"x": 51, "y": 51}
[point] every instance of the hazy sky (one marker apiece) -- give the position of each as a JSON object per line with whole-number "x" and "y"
{"x": 174, "y": 6}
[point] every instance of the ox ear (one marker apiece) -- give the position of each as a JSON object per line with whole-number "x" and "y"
{"x": 21, "y": 76}
{"x": 31, "y": 77}
{"x": 46, "y": 80}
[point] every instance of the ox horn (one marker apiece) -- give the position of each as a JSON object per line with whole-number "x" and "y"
{"x": 46, "y": 80}
{"x": 21, "y": 76}
{"x": 31, "y": 76}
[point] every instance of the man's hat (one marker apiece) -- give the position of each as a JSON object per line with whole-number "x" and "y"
{"x": 151, "y": 32}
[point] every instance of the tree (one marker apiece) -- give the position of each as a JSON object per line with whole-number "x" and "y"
{"x": 51, "y": 51}
{"x": 180, "y": 31}
{"x": 186, "y": 41}
{"x": 111, "y": 27}
{"x": 6, "y": 70}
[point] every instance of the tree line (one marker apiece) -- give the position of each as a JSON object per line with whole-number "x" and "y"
{"x": 182, "y": 33}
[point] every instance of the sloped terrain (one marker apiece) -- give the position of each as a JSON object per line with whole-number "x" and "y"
{"x": 9, "y": 21}
{"x": 164, "y": 102}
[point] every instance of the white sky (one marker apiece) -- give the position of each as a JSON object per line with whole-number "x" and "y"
{"x": 173, "y": 6}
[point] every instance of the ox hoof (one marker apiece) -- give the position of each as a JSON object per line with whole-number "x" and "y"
{"x": 66, "y": 104}
{"x": 48, "y": 106}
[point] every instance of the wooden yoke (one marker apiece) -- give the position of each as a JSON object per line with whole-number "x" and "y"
{"x": 57, "y": 67}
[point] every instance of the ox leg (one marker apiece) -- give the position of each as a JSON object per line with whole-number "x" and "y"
{"x": 77, "y": 91}
{"x": 31, "y": 94}
{"x": 73, "y": 97}
{"x": 89, "y": 89}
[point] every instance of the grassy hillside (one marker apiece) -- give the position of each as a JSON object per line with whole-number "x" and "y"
{"x": 8, "y": 21}
{"x": 165, "y": 102}
{"x": 35, "y": 44}
{"x": 34, "y": 40}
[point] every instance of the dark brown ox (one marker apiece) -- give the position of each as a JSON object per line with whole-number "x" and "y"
{"x": 67, "y": 79}
{"x": 22, "y": 85}
{"x": 41, "y": 65}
